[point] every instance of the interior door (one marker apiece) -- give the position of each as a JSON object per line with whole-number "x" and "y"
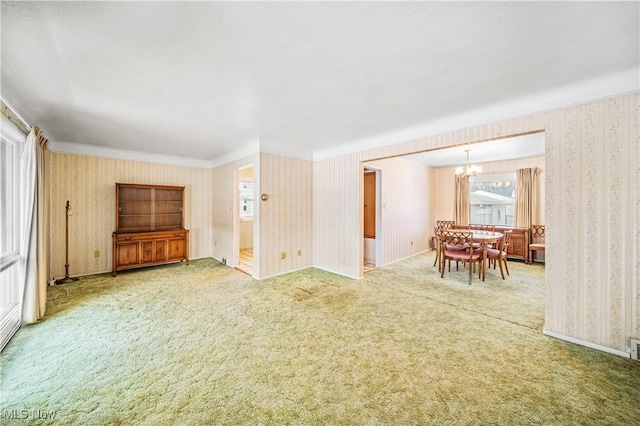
{"x": 370, "y": 205}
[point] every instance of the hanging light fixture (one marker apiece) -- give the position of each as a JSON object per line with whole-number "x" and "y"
{"x": 468, "y": 170}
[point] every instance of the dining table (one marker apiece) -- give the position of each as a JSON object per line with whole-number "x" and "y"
{"x": 484, "y": 238}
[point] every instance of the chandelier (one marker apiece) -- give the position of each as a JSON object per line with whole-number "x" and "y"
{"x": 468, "y": 170}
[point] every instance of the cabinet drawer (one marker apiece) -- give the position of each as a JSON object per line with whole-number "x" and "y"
{"x": 154, "y": 251}
{"x": 160, "y": 250}
{"x": 127, "y": 254}
{"x": 177, "y": 248}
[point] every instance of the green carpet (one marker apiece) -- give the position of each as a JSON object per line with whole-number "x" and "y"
{"x": 205, "y": 344}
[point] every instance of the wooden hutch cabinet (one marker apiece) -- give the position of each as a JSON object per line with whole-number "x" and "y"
{"x": 149, "y": 226}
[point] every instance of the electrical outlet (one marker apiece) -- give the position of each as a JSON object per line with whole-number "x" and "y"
{"x": 299, "y": 252}
{"x": 96, "y": 253}
{"x": 283, "y": 255}
{"x": 224, "y": 260}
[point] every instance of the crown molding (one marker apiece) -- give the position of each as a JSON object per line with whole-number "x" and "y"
{"x": 124, "y": 154}
{"x": 10, "y": 131}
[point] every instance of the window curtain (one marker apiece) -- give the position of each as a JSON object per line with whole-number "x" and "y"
{"x": 34, "y": 230}
{"x": 527, "y": 206}
{"x": 462, "y": 213}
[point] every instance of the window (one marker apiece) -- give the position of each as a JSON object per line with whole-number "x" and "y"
{"x": 246, "y": 200}
{"x": 492, "y": 199}
{"x": 11, "y": 146}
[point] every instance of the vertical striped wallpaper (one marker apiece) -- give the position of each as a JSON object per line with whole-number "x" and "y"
{"x": 286, "y": 217}
{"x": 89, "y": 185}
{"x": 224, "y": 211}
{"x": 406, "y": 213}
{"x": 337, "y": 227}
{"x": 592, "y": 211}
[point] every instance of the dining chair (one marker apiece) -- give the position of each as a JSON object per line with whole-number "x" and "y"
{"x": 499, "y": 254}
{"x": 437, "y": 236}
{"x": 444, "y": 224}
{"x": 482, "y": 227}
{"x": 440, "y": 225}
{"x": 537, "y": 238}
{"x": 456, "y": 245}
{"x": 437, "y": 239}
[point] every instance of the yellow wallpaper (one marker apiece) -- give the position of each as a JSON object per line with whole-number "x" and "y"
{"x": 89, "y": 184}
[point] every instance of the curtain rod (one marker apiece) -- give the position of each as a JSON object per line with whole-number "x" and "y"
{"x": 13, "y": 116}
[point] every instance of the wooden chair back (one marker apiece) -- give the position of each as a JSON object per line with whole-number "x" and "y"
{"x": 537, "y": 233}
{"x": 485, "y": 228}
{"x": 444, "y": 224}
{"x": 452, "y": 239}
{"x": 506, "y": 240}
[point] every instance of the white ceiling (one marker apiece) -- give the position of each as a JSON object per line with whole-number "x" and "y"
{"x": 210, "y": 80}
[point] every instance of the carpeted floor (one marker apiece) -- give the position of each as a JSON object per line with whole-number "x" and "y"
{"x": 205, "y": 344}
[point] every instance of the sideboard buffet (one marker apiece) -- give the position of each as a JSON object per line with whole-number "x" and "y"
{"x": 149, "y": 226}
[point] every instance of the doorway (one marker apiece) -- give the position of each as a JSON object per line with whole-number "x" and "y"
{"x": 372, "y": 219}
{"x": 245, "y": 222}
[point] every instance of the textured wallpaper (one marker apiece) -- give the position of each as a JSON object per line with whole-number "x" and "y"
{"x": 281, "y": 224}
{"x": 286, "y": 217}
{"x": 407, "y": 202}
{"x": 89, "y": 185}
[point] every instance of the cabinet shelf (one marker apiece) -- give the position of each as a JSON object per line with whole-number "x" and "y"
{"x": 149, "y": 226}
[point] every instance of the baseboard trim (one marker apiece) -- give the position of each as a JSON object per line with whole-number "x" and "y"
{"x": 285, "y": 273}
{"x": 407, "y": 257}
{"x": 336, "y": 273}
{"x": 586, "y": 344}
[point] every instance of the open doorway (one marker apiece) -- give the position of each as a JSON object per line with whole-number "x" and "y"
{"x": 411, "y": 210}
{"x": 245, "y": 219}
{"x": 372, "y": 219}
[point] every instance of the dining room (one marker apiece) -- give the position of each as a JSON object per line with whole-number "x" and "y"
{"x": 417, "y": 190}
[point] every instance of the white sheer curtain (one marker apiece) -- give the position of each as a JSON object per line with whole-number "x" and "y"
{"x": 34, "y": 233}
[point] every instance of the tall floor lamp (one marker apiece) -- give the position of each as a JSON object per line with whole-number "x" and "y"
{"x": 67, "y": 278}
